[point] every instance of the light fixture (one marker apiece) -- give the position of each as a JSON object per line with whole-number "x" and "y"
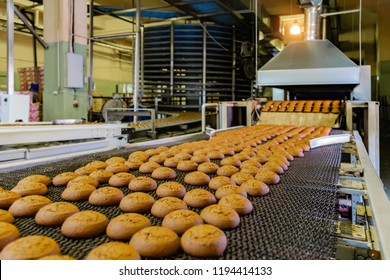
{"x": 295, "y": 29}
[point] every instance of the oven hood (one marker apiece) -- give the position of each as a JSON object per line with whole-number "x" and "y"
{"x": 308, "y": 63}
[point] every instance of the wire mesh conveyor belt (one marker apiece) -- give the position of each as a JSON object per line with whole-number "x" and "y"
{"x": 296, "y": 220}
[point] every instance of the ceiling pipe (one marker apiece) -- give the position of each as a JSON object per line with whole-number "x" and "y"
{"x": 313, "y": 10}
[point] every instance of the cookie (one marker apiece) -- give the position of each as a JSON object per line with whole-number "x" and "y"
{"x": 249, "y": 163}
{"x": 200, "y": 158}
{"x": 268, "y": 177}
{"x": 77, "y": 192}
{"x": 57, "y": 257}
{"x": 183, "y": 156}
{"x": 219, "y": 181}
{"x": 137, "y": 202}
{"x": 227, "y": 170}
{"x": 125, "y": 225}
{"x": 165, "y": 205}
{"x": 84, "y": 224}
{"x": 208, "y": 167}
{"x": 172, "y": 162}
{"x": 274, "y": 167}
{"x": 199, "y": 198}
{"x": 98, "y": 164}
{"x": 117, "y": 167}
{"x": 133, "y": 164}
{"x": 163, "y": 173}
{"x": 221, "y": 216}
{"x": 85, "y": 170}
{"x": 121, "y": 179}
{"x": 143, "y": 184}
{"x": 155, "y": 242}
{"x": 229, "y": 189}
{"x": 197, "y": 178}
{"x": 102, "y": 175}
{"x": 139, "y": 155}
{"x": 187, "y": 165}
{"x": 62, "y": 179}
{"x": 174, "y": 189}
{"x": 241, "y": 177}
{"x": 84, "y": 179}
{"x": 6, "y": 216}
{"x": 215, "y": 155}
{"x": 181, "y": 220}
{"x": 113, "y": 160}
{"x": 241, "y": 204}
{"x": 113, "y": 251}
{"x": 227, "y": 151}
{"x": 31, "y": 188}
{"x": 148, "y": 167}
{"x": 255, "y": 188}
{"x": 28, "y": 206}
{"x": 158, "y": 159}
{"x": 30, "y": 247}
{"x": 106, "y": 196}
{"x": 8, "y": 233}
{"x": 43, "y": 179}
{"x": 242, "y": 156}
{"x": 231, "y": 161}
{"x": 204, "y": 241}
{"x": 54, "y": 214}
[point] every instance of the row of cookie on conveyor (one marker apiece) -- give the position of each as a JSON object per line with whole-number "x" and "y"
{"x": 306, "y": 106}
{"x": 245, "y": 161}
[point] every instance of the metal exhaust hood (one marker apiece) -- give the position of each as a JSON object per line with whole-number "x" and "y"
{"x": 309, "y": 62}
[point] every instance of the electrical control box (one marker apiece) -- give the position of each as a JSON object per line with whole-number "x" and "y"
{"x": 14, "y": 108}
{"x": 75, "y": 72}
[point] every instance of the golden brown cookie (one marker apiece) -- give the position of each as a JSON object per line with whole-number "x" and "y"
{"x": 204, "y": 241}
{"x": 249, "y": 163}
{"x": 97, "y": 164}
{"x": 163, "y": 173}
{"x": 215, "y": 155}
{"x": 242, "y": 156}
{"x": 36, "y": 178}
{"x": 158, "y": 158}
{"x": 28, "y": 206}
{"x": 102, "y": 175}
{"x": 117, "y": 167}
{"x": 227, "y": 170}
{"x": 227, "y": 151}
{"x": 113, "y": 160}
{"x": 255, "y": 188}
{"x": 268, "y": 177}
{"x": 30, "y": 247}
{"x": 208, "y": 167}
{"x": 6, "y": 216}
{"x": 174, "y": 189}
{"x": 197, "y": 178}
{"x": 229, "y": 189}
{"x": 187, "y": 165}
{"x": 251, "y": 170}
{"x": 63, "y": 178}
{"x": 31, "y": 188}
{"x": 54, "y": 214}
{"x": 134, "y": 164}
{"x": 219, "y": 181}
{"x": 84, "y": 179}
{"x": 85, "y": 170}
{"x": 181, "y": 220}
{"x": 143, "y": 184}
{"x": 8, "y": 233}
{"x": 199, "y": 198}
{"x": 113, "y": 251}
{"x": 155, "y": 242}
{"x": 200, "y": 158}
{"x": 241, "y": 177}
{"x": 183, "y": 156}
{"x": 231, "y": 161}
{"x": 77, "y": 192}
{"x": 172, "y": 162}
{"x": 241, "y": 204}
{"x": 273, "y": 166}
{"x": 106, "y": 196}
{"x": 136, "y": 202}
{"x": 165, "y": 205}
{"x": 84, "y": 224}
{"x": 148, "y": 167}
{"x": 139, "y": 155}
{"x": 221, "y": 216}
{"x": 125, "y": 225}
{"x": 295, "y": 151}
{"x": 121, "y": 179}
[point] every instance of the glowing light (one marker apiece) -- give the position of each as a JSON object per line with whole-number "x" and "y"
{"x": 295, "y": 29}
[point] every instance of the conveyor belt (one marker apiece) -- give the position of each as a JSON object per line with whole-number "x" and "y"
{"x": 295, "y": 221}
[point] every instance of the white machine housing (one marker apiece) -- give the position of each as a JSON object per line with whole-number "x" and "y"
{"x": 14, "y": 108}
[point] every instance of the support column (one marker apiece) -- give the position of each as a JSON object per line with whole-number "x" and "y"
{"x": 65, "y": 95}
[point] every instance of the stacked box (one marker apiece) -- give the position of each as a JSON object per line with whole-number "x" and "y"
{"x": 27, "y": 77}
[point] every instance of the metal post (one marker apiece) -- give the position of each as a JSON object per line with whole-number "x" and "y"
{"x": 90, "y": 86}
{"x": 10, "y": 47}
{"x": 204, "y": 74}
{"x": 137, "y": 59}
{"x": 142, "y": 62}
{"x": 171, "y": 81}
{"x": 234, "y": 57}
{"x": 256, "y": 39}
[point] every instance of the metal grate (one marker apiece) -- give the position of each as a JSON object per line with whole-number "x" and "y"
{"x": 295, "y": 221}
